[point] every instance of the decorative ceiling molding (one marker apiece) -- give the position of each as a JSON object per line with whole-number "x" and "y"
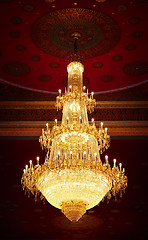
{"x": 33, "y": 129}
{"x": 27, "y": 118}
{"x": 51, "y": 104}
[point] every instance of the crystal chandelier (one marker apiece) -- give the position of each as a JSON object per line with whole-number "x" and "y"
{"x": 73, "y": 178}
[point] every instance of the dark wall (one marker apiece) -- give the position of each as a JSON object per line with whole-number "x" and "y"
{"x": 22, "y": 218}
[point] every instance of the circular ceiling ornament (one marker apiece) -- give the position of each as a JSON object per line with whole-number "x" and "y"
{"x": 14, "y": 34}
{"x": 28, "y": 8}
{"x": 97, "y": 65}
{"x": 15, "y": 20}
{"x": 44, "y": 78}
{"x": 134, "y": 20}
{"x": 16, "y": 68}
{"x": 107, "y": 78}
{"x": 122, "y": 8}
{"x": 131, "y": 47}
{"x": 35, "y": 58}
{"x": 53, "y": 32}
{"x": 136, "y": 68}
{"x": 21, "y": 47}
{"x": 137, "y": 34}
{"x": 54, "y": 65}
{"x": 117, "y": 58}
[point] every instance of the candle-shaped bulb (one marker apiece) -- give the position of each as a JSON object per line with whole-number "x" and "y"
{"x": 47, "y": 126}
{"x": 24, "y": 171}
{"x": 60, "y": 92}
{"x": 37, "y": 159}
{"x": 71, "y": 154}
{"x": 114, "y": 160}
{"x": 58, "y": 155}
{"x": 84, "y": 88}
{"x": 96, "y": 156}
{"x": 106, "y": 159}
{"x": 70, "y": 87}
{"x": 101, "y": 124}
{"x": 93, "y": 122}
{"x": 120, "y": 166}
{"x": 30, "y": 163}
{"x": 55, "y": 122}
{"x": 26, "y": 167}
{"x": 106, "y": 131}
{"x": 92, "y": 94}
{"x": 67, "y": 119}
{"x": 84, "y": 154}
{"x": 80, "y": 119}
{"x": 123, "y": 170}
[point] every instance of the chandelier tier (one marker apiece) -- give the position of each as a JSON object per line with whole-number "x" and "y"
{"x": 73, "y": 178}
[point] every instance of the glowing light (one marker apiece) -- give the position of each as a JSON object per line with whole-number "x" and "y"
{"x": 73, "y": 178}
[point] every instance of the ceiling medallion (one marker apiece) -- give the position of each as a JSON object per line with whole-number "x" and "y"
{"x": 54, "y": 65}
{"x": 134, "y": 20}
{"x": 137, "y": 34}
{"x": 136, "y": 68}
{"x": 107, "y": 78}
{"x": 97, "y": 65}
{"x": 122, "y": 8}
{"x": 14, "y": 34}
{"x": 117, "y": 58}
{"x": 35, "y": 58}
{"x": 53, "y": 32}
{"x": 15, "y": 20}
{"x": 131, "y": 47}
{"x": 16, "y": 68}
{"x": 28, "y": 8}
{"x": 44, "y": 78}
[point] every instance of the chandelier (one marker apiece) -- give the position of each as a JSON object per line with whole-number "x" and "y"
{"x": 73, "y": 177}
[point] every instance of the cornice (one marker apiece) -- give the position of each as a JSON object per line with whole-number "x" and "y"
{"x": 51, "y": 104}
{"x": 33, "y": 128}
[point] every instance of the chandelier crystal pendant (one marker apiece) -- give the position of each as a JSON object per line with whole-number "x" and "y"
{"x": 73, "y": 178}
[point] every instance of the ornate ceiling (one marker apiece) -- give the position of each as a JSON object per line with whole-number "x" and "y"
{"x": 37, "y": 38}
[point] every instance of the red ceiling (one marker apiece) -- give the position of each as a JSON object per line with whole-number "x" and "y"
{"x": 123, "y": 64}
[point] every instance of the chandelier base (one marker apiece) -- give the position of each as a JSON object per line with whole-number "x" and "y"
{"x": 74, "y": 209}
